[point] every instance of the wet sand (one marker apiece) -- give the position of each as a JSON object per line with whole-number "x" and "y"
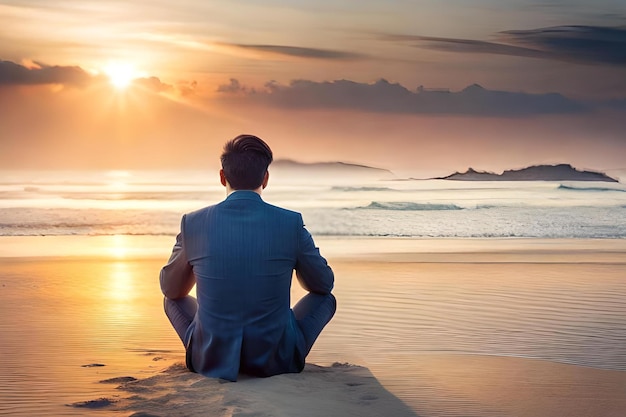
{"x": 445, "y": 328}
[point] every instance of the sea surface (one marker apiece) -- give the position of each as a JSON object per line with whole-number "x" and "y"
{"x": 151, "y": 203}
{"x": 530, "y": 271}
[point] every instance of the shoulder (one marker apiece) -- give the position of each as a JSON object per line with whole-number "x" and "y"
{"x": 270, "y": 209}
{"x": 202, "y": 210}
{"x": 200, "y": 213}
{"x": 282, "y": 211}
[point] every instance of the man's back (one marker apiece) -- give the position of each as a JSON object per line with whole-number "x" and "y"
{"x": 243, "y": 252}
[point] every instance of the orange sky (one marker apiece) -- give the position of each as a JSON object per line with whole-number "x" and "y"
{"x": 147, "y": 84}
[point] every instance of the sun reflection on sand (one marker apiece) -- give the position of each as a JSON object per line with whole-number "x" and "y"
{"x": 121, "y": 281}
{"x": 118, "y": 310}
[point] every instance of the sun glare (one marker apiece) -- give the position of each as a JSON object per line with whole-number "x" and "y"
{"x": 120, "y": 74}
{"x": 119, "y": 246}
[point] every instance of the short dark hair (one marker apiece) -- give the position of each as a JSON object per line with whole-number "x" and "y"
{"x": 245, "y": 160}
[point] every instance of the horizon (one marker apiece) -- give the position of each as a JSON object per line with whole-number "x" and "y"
{"x": 123, "y": 175}
{"x": 439, "y": 87}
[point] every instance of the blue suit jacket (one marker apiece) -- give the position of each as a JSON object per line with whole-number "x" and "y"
{"x": 241, "y": 253}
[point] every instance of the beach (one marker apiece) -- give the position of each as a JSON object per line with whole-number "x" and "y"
{"x": 460, "y": 165}
{"x": 429, "y": 327}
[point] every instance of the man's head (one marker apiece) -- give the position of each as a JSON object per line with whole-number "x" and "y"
{"x": 244, "y": 162}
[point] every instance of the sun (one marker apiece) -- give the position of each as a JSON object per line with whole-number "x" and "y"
{"x": 120, "y": 74}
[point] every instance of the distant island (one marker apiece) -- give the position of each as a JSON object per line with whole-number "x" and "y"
{"x": 561, "y": 172}
{"x": 328, "y": 169}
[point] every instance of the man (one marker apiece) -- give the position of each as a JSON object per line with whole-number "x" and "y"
{"x": 241, "y": 254}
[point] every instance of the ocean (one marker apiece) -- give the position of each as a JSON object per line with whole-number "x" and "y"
{"x": 98, "y": 203}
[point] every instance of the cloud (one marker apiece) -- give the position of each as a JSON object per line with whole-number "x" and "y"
{"x": 36, "y": 73}
{"x": 299, "y": 52}
{"x": 16, "y": 74}
{"x": 588, "y": 44}
{"x": 385, "y": 97}
{"x": 582, "y": 44}
{"x": 153, "y": 84}
{"x": 468, "y": 46}
{"x": 187, "y": 88}
{"x": 617, "y": 104}
{"x": 234, "y": 86}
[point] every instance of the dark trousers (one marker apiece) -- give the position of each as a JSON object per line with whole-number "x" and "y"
{"x": 312, "y": 313}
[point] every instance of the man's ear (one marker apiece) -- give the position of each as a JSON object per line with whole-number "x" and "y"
{"x": 265, "y": 179}
{"x": 223, "y": 178}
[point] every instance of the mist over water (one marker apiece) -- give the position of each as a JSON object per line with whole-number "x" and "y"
{"x": 151, "y": 203}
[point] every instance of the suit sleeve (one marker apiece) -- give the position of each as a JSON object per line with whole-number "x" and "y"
{"x": 177, "y": 277}
{"x": 312, "y": 270}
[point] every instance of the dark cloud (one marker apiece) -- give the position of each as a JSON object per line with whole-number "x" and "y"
{"x": 234, "y": 86}
{"x": 385, "y": 97}
{"x": 618, "y": 104}
{"x": 589, "y": 44}
{"x": 467, "y": 45}
{"x": 16, "y": 74}
{"x": 582, "y": 44}
{"x": 301, "y": 52}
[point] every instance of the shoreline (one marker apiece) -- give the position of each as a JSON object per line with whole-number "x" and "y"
{"x": 134, "y": 247}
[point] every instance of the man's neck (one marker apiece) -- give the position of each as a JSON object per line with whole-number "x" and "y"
{"x": 229, "y": 190}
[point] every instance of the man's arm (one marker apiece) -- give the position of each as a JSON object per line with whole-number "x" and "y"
{"x": 177, "y": 277}
{"x": 312, "y": 270}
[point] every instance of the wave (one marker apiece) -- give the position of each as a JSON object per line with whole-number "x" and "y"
{"x": 121, "y": 196}
{"x": 409, "y": 206}
{"x": 598, "y": 189}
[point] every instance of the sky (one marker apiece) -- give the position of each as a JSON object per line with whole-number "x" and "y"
{"x": 408, "y": 85}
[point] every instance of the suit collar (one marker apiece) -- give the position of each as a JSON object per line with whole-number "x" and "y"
{"x": 243, "y": 195}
